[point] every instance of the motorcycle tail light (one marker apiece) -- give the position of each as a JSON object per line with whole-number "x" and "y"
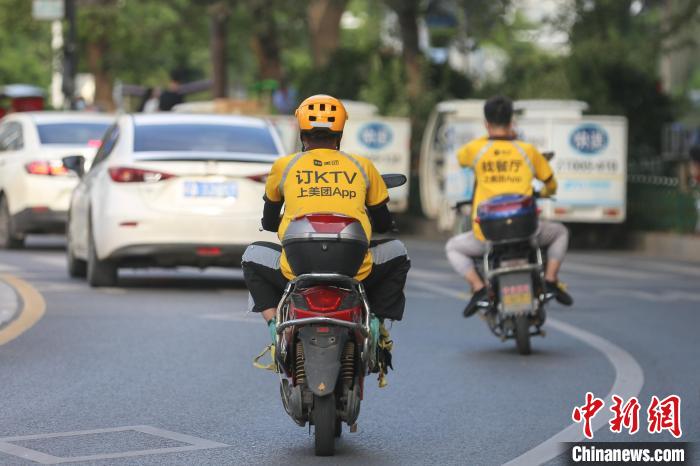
{"x": 46, "y": 167}
{"x": 137, "y": 175}
{"x": 506, "y": 206}
{"x": 323, "y": 299}
{"x": 328, "y": 223}
{"x": 206, "y": 251}
{"x": 326, "y": 301}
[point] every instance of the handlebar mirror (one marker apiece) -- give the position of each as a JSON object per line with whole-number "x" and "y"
{"x": 394, "y": 180}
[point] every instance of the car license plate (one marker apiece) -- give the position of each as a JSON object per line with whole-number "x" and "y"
{"x": 516, "y": 292}
{"x": 223, "y": 190}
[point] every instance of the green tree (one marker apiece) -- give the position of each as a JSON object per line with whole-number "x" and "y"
{"x": 613, "y": 65}
{"x": 530, "y": 72}
{"x": 140, "y": 41}
{"x": 25, "y": 45}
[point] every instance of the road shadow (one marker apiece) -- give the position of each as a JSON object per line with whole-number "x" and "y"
{"x": 44, "y": 243}
{"x": 184, "y": 283}
{"x": 346, "y": 452}
{"x": 508, "y": 352}
{"x": 193, "y": 280}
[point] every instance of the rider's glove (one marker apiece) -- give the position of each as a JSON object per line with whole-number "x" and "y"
{"x": 272, "y": 327}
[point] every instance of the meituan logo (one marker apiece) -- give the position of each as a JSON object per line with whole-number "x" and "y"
{"x": 375, "y": 135}
{"x": 589, "y": 139}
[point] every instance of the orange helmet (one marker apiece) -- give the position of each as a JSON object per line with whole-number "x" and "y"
{"x": 321, "y": 112}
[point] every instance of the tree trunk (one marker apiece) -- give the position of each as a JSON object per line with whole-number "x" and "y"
{"x": 265, "y": 44}
{"x": 97, "y": 51}
{"x": 219, "y": 16}
{"x": 408, "y": 12}
{"x": 100, "y": 18}
{"x": 324, "y": 27}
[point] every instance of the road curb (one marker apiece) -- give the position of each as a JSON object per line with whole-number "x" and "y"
{"x": 10, "y": 303}
{"x": 668, "y": 245}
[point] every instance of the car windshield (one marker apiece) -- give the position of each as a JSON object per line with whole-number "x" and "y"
{"x": 74, "y": 133}
{"x": 204, "y": 138}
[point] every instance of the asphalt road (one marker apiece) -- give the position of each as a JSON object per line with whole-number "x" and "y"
{"x": 172, "y": 350}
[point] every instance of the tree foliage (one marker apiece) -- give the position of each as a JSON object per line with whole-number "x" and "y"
{"x": 613, "y": 66}
{"x": 612, "y": 61}
{"x": 25, "y": 45}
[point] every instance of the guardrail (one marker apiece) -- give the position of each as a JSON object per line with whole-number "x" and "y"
{"x": 656, "y": 203}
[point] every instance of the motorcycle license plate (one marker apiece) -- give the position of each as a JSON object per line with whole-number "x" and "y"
{"x": 516, "y": 292}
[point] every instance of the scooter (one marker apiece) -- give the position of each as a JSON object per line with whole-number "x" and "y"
{"x": 326, "y": 334}
{"x": 513, "y": 267}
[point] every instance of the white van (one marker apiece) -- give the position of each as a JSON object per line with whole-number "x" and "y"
{"x": 590, "y": 160}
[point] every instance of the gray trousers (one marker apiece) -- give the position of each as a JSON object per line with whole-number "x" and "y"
{"x": 462, "y": 248}
{"x": 384, "y": 285}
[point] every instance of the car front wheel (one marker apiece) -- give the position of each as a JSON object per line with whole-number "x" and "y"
{"x": 8, "y": 238}
{"x": 77, "y": 268}
{"x": 99, "y": 272}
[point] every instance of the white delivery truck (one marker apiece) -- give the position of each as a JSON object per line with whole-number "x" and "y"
{"x": 590, "y": 160}
{"x": 385, "y": 141}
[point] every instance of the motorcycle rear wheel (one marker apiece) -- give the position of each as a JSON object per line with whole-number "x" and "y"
{"x": 522, "y": 334}
{"x": 324, "y": 417}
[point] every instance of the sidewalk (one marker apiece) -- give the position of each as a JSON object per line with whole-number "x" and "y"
{"x": 672, "y": 246}
{"x": 9, "y": 303}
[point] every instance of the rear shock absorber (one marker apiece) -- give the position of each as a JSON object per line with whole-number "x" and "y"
{"x": 299, "y": 365}
{"x": 347, "y": 365}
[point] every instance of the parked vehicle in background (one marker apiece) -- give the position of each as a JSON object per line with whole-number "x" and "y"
{"x": 20, "y": 98}
{"x": 170, "y": 190}
{"x": 35, "y": 186}
{"x": 591, "y": 163}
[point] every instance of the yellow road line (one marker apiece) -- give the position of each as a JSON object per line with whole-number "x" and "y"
{"x": 32, "y": 310}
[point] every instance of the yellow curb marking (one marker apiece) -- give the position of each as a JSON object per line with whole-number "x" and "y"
{"x": 33, "y": 309}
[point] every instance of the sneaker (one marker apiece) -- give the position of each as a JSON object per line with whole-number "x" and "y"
{"x": 477, "y": 298}
{"x": 559, "y": 292}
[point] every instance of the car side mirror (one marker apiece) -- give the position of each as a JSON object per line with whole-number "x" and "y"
{"x": 394, "y": 180}
{"x": 549, "y": 155}
{"x": 75, "y": 163}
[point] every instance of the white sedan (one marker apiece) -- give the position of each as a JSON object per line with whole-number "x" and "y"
{"x": 35, "y": 186}
{"x": 170, "y": 190}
